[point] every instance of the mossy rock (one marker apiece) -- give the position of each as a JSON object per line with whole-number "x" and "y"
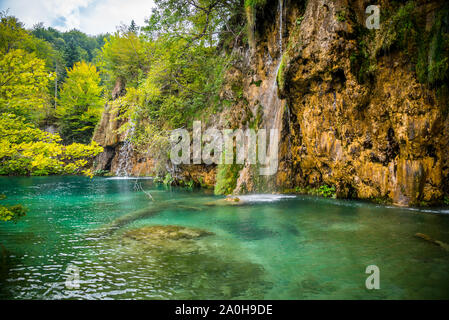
{"x": 229, "y": 201}
{"x": 232, "y": 199}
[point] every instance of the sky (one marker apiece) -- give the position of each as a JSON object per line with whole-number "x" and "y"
{"x": 90, "y": 16}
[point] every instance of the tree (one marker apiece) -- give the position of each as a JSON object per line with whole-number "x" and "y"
{"x": 72, "y": 53}
{"x": 133, "y": 27}
{"x": 12, "y": 33}
{"x": 195, "y": 20}
{"x": 13, "y": 36}
{"x": 123, "y": 57}
{"x": 23, "y": 84}
{"x": 81, "y": 103}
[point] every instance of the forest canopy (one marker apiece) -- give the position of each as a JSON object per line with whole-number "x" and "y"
{"x": 54, "y": 85}
{"x": 28, "y": 106}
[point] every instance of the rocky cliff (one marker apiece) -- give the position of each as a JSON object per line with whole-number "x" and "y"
{"x": 362, "y": 110}
{"x": 385, "y": 136}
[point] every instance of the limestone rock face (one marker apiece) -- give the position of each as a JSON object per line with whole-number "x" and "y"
{"x": 383, "y": 139}
{"x": 201, "y": 175}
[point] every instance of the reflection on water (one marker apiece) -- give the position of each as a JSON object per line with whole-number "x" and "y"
{"x": 265, "y": 247}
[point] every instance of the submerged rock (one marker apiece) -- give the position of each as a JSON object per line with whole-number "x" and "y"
{"x": 160, "y": 240}
{"x": 183, "y": 264}
{"x": 152, "y": 233}
{"x": 172, "y": 268}
{"x": 226, "y": 202}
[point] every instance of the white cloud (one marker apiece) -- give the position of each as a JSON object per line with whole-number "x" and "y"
{"x": 90, "y": 16}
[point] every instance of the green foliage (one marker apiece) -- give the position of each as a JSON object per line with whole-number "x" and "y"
{"x": 11, "y": 213}
{"x": 175, "y": 83}
{"x": 257, "y": 83}
{"x": 400, "y": 29}
{"x": 123, "y": 57}
{"x": 341, "y": 15}
{"x": 323, "y": 191}
{"x": 446, "y": 200}
{"x": 433, "y": 53}
{"x": 172, "y": 70}
{"x": 326, "y": 191}
{"x": 280, "y": 75}
{"x": 72, "y": 46}
{"x": 227, "y": 175}
{"x": 190, "y": 184}
{"x": 363, "y": 61}
{"x": 194, "y": 21}
{"x": 23, "y": 84}
{"x": 81, "y": 103}
{"x": 428, "y": 50}
{"x": 27, "y": 65}
{"x": 255, "y": 3}
{"x": 14, "y": 37}
{"x": 168, "y": 180}
{"x": 101, "y": 173}
{"x": 12, "y": 33}
{"x": 27, "y": 150}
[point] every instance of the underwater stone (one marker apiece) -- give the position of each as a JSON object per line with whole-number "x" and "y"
{"x": 151, "y": 233}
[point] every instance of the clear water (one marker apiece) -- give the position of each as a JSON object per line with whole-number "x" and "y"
{"x": 272, "y": 247}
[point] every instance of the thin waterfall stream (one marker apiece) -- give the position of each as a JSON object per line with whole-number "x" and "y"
{"x": 274, "y": 106}
{"x": 125, "y": 154}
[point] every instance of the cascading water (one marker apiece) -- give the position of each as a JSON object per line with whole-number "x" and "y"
{"x": 125, "y": 154}
{"x": 281, "y": 13}
{"x": 273, "y": 104}
{"x": 273, "y": 108}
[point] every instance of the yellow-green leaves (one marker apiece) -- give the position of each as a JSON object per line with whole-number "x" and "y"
{"x": 23, "y": 83}
{"x": 26, "y": 150}
{"x": 124, "y": 57}
{"x": 81, "y": 103}
{"x": 81, "y": 89}
{"x": 12, "y": 33}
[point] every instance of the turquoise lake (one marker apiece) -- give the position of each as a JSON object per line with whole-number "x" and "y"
{"x": 265, "y": 247}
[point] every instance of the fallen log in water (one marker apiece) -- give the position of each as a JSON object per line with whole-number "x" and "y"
{"x": 423, "y": 236}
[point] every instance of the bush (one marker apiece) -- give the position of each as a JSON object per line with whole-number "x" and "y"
{"x": 27, "y": 150}
{"x": 326, "y": 191}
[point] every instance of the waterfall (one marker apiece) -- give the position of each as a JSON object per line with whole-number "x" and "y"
{"x": 273, "y": 108}
{"x": 281, "y": 13}
{"x": 273, "y": 105}
{"x": 272, "y": 101}
{"x": 125, "y": 154}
